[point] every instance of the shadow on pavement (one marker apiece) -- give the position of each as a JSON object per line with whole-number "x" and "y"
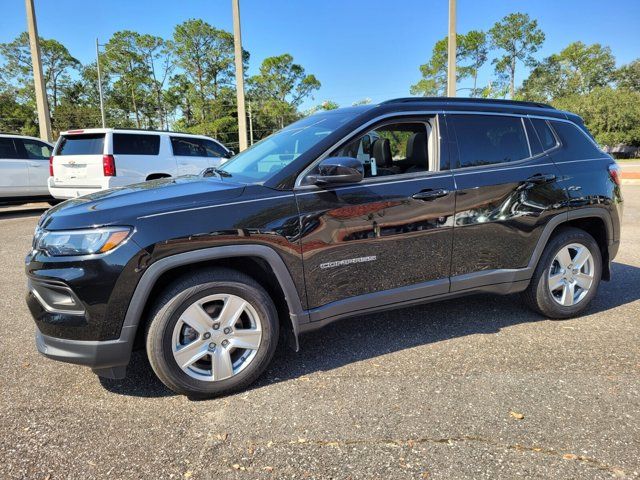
{"x": 369, "y": 336}
{"x": 12, "y": 212}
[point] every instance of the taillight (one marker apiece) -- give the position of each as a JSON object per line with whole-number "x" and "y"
{"x": 51, "y": 166}
{"x": 614, "y": 173}
{"x": 108, "y": 166}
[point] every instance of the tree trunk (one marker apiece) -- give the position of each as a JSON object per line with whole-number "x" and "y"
{"x": 512, "y": 84}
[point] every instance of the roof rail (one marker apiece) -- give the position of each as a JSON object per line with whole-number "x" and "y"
{"x": 494, "y": 101}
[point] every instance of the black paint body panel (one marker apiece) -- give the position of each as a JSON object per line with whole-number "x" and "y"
{"x": 398, "y": 249}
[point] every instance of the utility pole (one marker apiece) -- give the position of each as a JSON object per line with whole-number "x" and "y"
{"x": 250, "y": 125}
{"x": 237, "y": 40}
{"x": 44, "y": 120}
{"x": 451, "y": 51}
{"x": 104, "y": 122}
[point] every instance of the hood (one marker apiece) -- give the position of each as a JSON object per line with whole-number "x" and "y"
{"x": 122, "y": 206}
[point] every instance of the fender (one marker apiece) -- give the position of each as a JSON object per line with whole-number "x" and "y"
{"x": 145, "y": 285}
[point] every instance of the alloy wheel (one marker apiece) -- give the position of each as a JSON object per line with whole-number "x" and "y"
{"x": 571, "y": 274}
{"x": 216, "y": 337}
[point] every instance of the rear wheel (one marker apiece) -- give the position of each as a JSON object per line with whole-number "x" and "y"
{"x": 567, "y": 276}
{"x": 212, "y": 333}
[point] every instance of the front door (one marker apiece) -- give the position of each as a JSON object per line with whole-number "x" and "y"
{"x": 388, "y": 238}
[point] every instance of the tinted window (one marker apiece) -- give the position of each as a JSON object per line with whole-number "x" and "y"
{"x": 213, "y": 149}
{"x": 135, "y": 144}
{"x": 576, "y": 141}
{"x": 489, "y": 139}
{"x": 546, "y": 136}
{"x": 88, "y": 144}
{"x": 532, "y": 136}
{"x": 7, "y": 148}
{"x": 36, "y": 150}
{"x": 188, "y": 147}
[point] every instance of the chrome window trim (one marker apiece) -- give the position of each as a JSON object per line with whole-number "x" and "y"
{"x": 445, "y": 112}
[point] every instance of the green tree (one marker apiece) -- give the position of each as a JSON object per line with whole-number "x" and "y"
{"x": 434, "y": 73}
{"x": 206, "y": 56}
{"x": 518, "y": 37}
{"x": 577, "y": 69}
{"x": 474, "y": 52}
{"x": 612, "y": 115}
{"x": 628, "y": 76}
{"x": 471, "y": 54}
{"x": 57, "y": 66}
{"x": 280, "y": 87}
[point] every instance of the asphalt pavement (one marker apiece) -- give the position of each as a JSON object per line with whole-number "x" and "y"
{"x": 477, "y": 387}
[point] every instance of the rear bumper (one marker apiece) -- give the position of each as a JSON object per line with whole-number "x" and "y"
{"x": 107, "y": 358}
{"x": 63, "y": 190}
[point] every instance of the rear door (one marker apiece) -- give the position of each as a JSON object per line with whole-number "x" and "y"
{"x": 14, "y": 172}
{"x": 77, "y": 160}
{"x": 138, "y": 155}
{"x": 38, "y": 154}
{"x": 507, "y": 190}
{"x": 388, "y": 238}
{"x": 190, "y": 154}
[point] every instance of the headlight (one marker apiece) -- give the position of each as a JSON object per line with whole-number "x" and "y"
{"x": 79, "y": 242}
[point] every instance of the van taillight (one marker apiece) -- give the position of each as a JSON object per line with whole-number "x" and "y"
{"x": 614, "y": 173}
{"x": 51, "y": 166}
{"x": 108, "y": 166}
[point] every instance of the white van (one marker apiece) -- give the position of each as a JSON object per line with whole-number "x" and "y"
{"x": 86, "y": 161}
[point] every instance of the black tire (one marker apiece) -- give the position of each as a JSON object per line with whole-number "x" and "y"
{"x": 181, "y": 294}
{"x": 538, "y": 296}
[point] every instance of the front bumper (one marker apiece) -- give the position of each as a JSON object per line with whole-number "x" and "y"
{"x": 107, "y": 358}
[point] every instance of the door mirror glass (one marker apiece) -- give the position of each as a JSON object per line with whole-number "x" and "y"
{"x": 335, "y": 170}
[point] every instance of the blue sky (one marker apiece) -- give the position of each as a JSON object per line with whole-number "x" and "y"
{"x": 356, "y": 48}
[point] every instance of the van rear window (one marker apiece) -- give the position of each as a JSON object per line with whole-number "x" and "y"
{"x": 135, "y": 144}
{"x": 87, "y": 144}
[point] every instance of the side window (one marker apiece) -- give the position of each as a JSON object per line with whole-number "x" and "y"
{"x": 188, "y": 147}
{"x": 546, "y": 136}
{"x": 36, "y": 150}
{"x": 391, "y": 149}
{"x": 135, "y": 144}
{"x": 7, "y": 148}
{"x": 576, "y": 141}
{"x": 213, "y": 149}
{"x": 489, "y": 139}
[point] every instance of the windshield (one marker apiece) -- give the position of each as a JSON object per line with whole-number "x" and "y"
{"x": 269, "y": 156}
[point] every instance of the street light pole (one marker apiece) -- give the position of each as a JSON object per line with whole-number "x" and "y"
{"x": 104, "y": 122}
{"x": 451, "y": 51}
{"x": 237, "y": 40}
{"x": 44, "y": 120}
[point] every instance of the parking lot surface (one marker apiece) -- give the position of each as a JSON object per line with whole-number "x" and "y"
{"x": 477, "y": 387}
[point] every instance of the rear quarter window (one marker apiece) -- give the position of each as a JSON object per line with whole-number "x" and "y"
{"x": 86, "y": 144}
{"x": 576, "y": 142}
{"x": 546, "y": 136}
{"x": 135, "y": 144}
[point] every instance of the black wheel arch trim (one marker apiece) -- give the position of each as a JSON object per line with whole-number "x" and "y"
{"x": 155, "y": 270}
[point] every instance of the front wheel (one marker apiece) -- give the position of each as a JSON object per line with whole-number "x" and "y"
{"x": 212, "y": 333}
{"x": 567, "y": 276}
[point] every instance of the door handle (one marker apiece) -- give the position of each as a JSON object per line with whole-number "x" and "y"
{"x": 540, "y": 179}
{"x": 427, "y": 195}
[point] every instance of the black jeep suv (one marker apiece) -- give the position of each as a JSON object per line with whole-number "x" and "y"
{"x": 344, "y": 212}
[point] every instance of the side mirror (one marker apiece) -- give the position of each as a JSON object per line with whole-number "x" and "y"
{"x": 229, "y": 154}
{"x": 334, "y": 170}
